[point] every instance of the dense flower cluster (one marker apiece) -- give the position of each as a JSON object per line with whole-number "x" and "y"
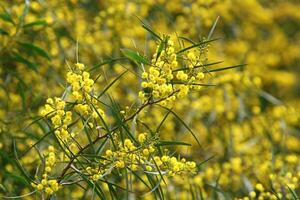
{"x": 46, "y": 184}
{"x": 158, "y": 79}
{"x": 82, "y": 93}
{"x": 281, "y": 183}
{"x": 170, "y": 78}
{"x": 247, "y": 124}
{"x": 80, "y": 82}
{"x": 138, "y": 154}
{"x": 142, "y": 157}
{"x": 60, "y": 118}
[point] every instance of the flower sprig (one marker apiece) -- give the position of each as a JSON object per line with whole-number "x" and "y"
{"x": 170, "y": 73}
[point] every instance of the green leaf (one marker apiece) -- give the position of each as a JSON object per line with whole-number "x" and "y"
{"x": 161, "y": 46}
{"x": 3, "y": 32}
{"x": 17, "y": 57}
{"x": 151, "y": 32}
{"x": 18, "y": 179}
{"x": 149, "y": 29}
{"x": 87, "y": 130}
{"x": 162, "y": 121}
{"x": 184, "y": 83}
{"x": 24, "y": 14}
{"x": 21, "y": 91}
{"x": 35, "y": 23}
{"x": 206, "y": 160}
{"x": 213, "y": 28}
{"x": 134, "y": 56}
{"x": 160, "y": 174}
{"x": 113, "y": 192}
{"x": 187, "y": 39}
{"x": 155, "y": 187}
{"x": 183, "y": 123}
{"x": 270, "y": 98}
{"x": 110, "y": 84}
{"x": 198, "y": 66}
{"x": 171, "y": 143}
{"x": 224, "y": 68}
{"x": 218, "y": 190}
{"x": 25, "y": 174}
{"x": 96, "y": 187}
{"x": 105, "y": 62}
{"x": 35, "y": 49}
{"x": 115, "y": 111}
{"x": 294, "y": 195}
{"x": 196, "y": 45}
{"x": 7, "y": 17}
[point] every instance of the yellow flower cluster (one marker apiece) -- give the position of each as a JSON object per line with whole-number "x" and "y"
{"x": 94, "y": 173}
{"x": 144, "y": 157}
{"x": 157, "y": 81}
{"x": 48, "y": 185}
{"x": 281, "y": 184}
{"x": 141, "y": 157}
{"x": 161, "y": 82}
{"x": 194, "y": 60}
{"x": 80, "y": 82}
{"x": 81, "y": 87}
{"x": 60, "y": 118}
{"x": 285, "y": 180}
{"x": 85, "y": 104}
{"x": 177, "y": 167}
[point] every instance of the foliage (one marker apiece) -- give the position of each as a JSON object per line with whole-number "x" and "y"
{"x": 149, "y": 99}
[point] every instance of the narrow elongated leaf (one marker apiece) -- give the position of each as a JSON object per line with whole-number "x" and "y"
{"x": 113, "y": 192}
{"x": 184, "y": 83}
{"x": 136, "y": 175}
{"x": 149, "y": 29}
{"x": 218, "y": 190}
{"x": 87, "y": 130}
{"x": 39, "y": 51}
{"x": 134, "y": 56}
{"x": 17, "y": 57}
{"x": 21, "y": 91}
{"x": 294, "y": 195}
{"x": 224, "y": 68}
{"x": 7, "y": 17}
{"x": 213, "y": 28}
{"x": 162, "y": 121}
{"x": 119, "y": 118}
{"x": 270, "y": 97}
{"x": 206, "y": 160}
{"x": 159, "y": 50}
{"x": 95, "y": 185}
{"x": 187, "y": 39}
{"x": 24, "y": 14}
{"x": 37, "y": 142}
{"x": 3, "y": 32}
{"x": 110, "y": 84}
{"x": 171, "y": 143}
{"x": 155, "y": 187}
{"x": 183, "y": 123}
{"x": 198, "y": 66}
{"x": 105, "y": 62}
{"x": 18, "y": 164}
{"x": 152, "y": 32}
{"x": 17, "y": 178}
{"x": 196, "y": 45}
{"x": 35, "y": 23}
